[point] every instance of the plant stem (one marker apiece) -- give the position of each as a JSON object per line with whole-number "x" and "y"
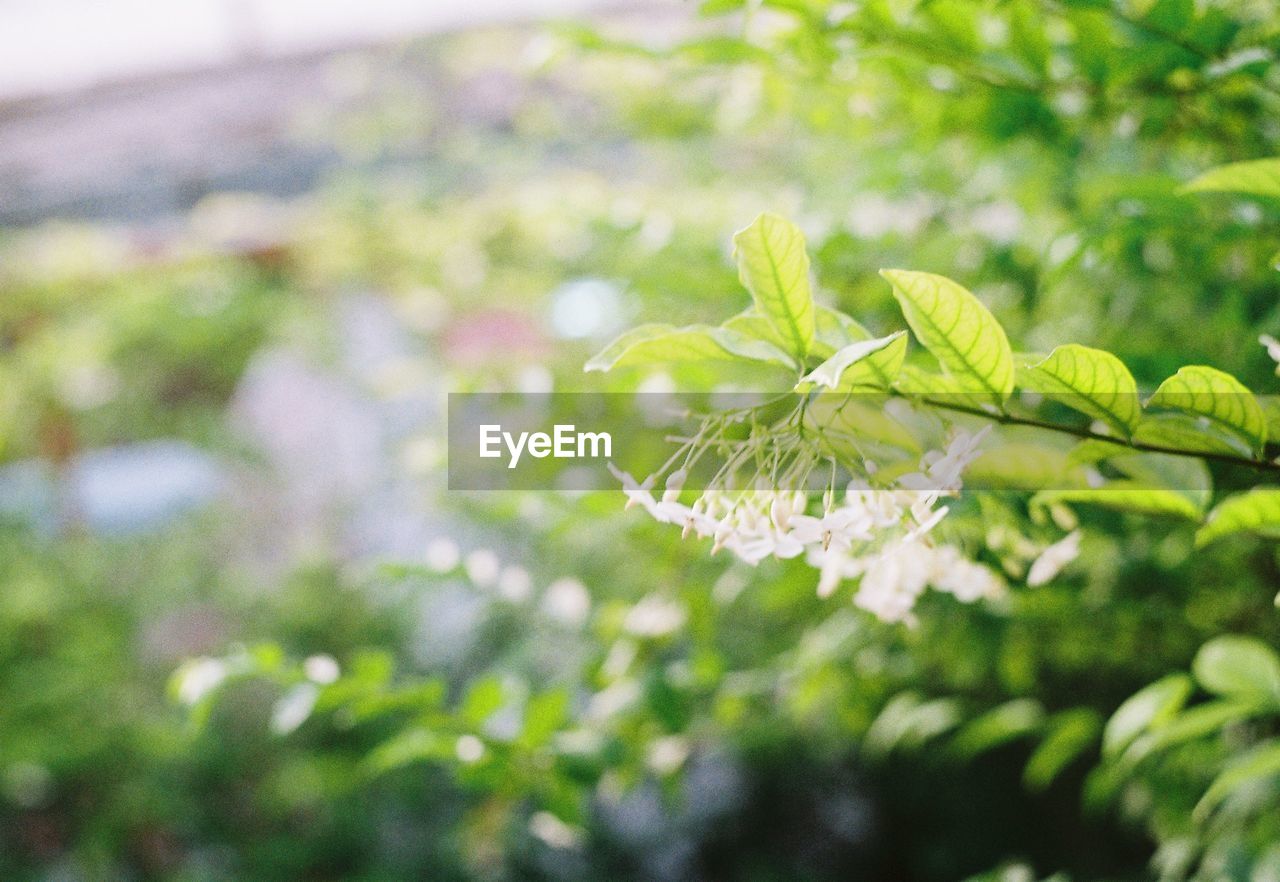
{"x": 1008, "y": 419}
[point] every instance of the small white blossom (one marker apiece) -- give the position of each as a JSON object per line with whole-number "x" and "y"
{"x": 553, "y": 831}
{"x": 1273, "y": 349}
{"x": 654, "y": 617}
{"x": 292, "y": 710}
{"x": 880, "y": 534}
{"x": 469, "y": 749}
{"x": 443, "y": 554}
{"x": 1053, "y": 559}
{"x": 514, "y": 584}
{"x": 199, "y": 677}
{"x": 482, "y": 567}
{"x": 322, "y": 669}
{"x": 566, "y": 600}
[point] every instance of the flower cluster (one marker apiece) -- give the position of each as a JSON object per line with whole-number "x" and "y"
{"x": 880, "y": 535}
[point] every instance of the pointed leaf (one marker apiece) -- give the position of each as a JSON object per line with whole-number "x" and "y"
{"x": 664, "y": 344}
{"x": 1217, "y": 397}
{"x": 774, "y": 267}
{"x": 1181, "y": 431}
{"x": 960, "y": 332}
{"x": 1023, "y": 466}
{"x": 1001, "y": 724}
{"x": 1091, "y": 381}
{"x": 914, "y": 381}
{"x": 1239, "y": 667}
{"x": 1125, "y": 496}
{"x": 873, "y": 363}
{"x": 1257, "y": 511}
{"x": 1071, "y": 733}
{"x": 1256, "y": 177}
{"x": 833, "y": 330}
{"x": 1258, "y": 764}
{"x": 1150, "y": 706}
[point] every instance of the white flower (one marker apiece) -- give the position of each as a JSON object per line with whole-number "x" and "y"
{"x": 1053, "y": 559}
{"x": 199, "y": 677}
{"x": 666, "y": 755}
{"x": 1273, "y": 349}
{"x": 482, "y": 567}
{"x": 469, "y": 749}
{"x": 566, "y": 600}
{"x": 292, "y": 710}
{"x": 893, "y": 581}
{"x": 553, "y": 831}
{"x": 443, "y": 554}
{"x": 514, "y": 584}
{"x": 955, "y": 574}
{"x": 877, "y": 533}
{"x": 322, "y": 669}
{"x": 654, "y": 617}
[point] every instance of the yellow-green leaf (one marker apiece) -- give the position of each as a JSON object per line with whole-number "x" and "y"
{"x": 1239, "y": 667}
{"x": 664, "y": 344}
{"x": 914, "y": 381}
{"x": 1255, "y": 177}
{"x": 1125, "y": 496}
{"x": 1256, "y": 511}
{"x": 1150, "y": 706}
{"x": 1260, "y": 763}
{"x": 1091, "y": 381}
{"x": 833, "y": 330}
{"x": 1023, "y": 466}
{"x": 774, "y": 267}
{"x": 1180, "y": 431}
{"x": 960, "y": 332}
{"x": 1071, "y": 733}
{"x": 866, "y": 363}
{"x": 1217, "y": 397}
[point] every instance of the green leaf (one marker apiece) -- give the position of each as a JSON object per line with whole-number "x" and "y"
{"x": 409, "y": 746}
{"x": 914, "y": 381}
{"x": 774, "y": 267}
{"x": 833, "y": 330}
{"x": 664, "y": 344}
{"x": 863, "y": 418}
{"x": 908, "y": 722}
{"x": 1150, "y": 706}
{"x": 544, "y": 715}
{"x": 873, "y": 363}
{"x": 1156, "y": 471}
{"x": 1180, "y": 431}
{"x": 1001, "y": 724}
{"x": 1126, "y": 496}
{"x": 1094, "y": 382}
{"x": 1257, "y": 511}
{"x": 1070, "y": 734}
{"x": 1239, "y": 667}
{"x": 960, "y": 332}
{"x": 1196, "y": 722}
{"x": 1256, "y": 177}
{"x": 1023, "y": 466}
{"x": 1258, "y": 764}
{"x": 481, "y": 701}
{"x": 1217, "y": 397}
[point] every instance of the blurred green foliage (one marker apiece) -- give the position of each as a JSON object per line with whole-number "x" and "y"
{"x": 691, "y": 718}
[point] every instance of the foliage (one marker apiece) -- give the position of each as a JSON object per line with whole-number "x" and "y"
{"x": 626, "y": 705}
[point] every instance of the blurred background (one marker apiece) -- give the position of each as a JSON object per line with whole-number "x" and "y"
{"x": 247, "y": 247}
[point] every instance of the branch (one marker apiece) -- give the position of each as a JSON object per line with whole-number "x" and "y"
{"x": 1008, "y": 419}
